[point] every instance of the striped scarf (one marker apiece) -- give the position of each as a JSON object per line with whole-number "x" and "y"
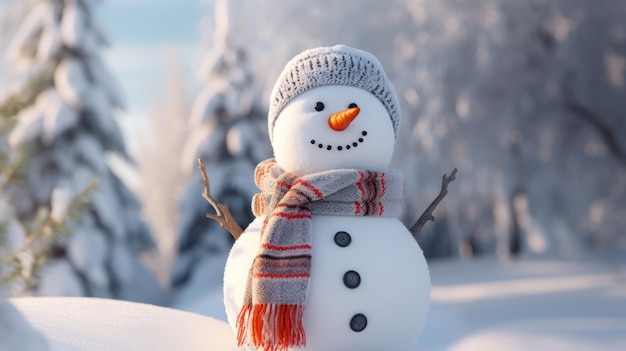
{"x": 277, "y": 286}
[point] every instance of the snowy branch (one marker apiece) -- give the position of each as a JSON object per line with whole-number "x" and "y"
{"x": 222, "y": 213}
{"x": 601, "y": 126}
{"x": 428, "y": 214}
{"x": 22, "y": 266}
{"x": 11, "y": 105}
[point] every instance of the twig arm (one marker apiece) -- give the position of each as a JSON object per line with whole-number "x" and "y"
{"x": 428, "y": 214}
{"x": 222, "y": 213}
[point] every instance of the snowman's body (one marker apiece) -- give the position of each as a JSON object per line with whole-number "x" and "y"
{"x": 393, "y": 293}
{"x": 369, "y": 284}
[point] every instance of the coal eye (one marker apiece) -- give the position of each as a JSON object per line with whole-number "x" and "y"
{"x": 353, "y": 105}
{"x": 319, "y": 106}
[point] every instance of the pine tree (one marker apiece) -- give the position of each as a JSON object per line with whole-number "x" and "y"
{"x": 24, "y": 246}
{"x": 161, "y": 179}
{"x": 68, "y": 129}
{"x": 12, "y": 237}
{"x": 12, "y": 12}
{"x": 524, "y": 97}
{"x": 229, "y": 134}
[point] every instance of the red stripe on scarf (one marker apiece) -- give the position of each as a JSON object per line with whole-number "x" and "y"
{"x": 382, "y": 194}
{"x": 267, "y": 320}
{"x": 289, "y": 333}
{"x": 278, "y": 276}
{"x": 359, "y": 184}
{"x": 291, "y": 207}
{"x": 292, "y": 216}
{"x": 371, "y": 193}
{"x": 315, "y": 190}
{"x": 285, "y": 248}
{"x": 282, "y": 264}
{"x": 283, "y": 184}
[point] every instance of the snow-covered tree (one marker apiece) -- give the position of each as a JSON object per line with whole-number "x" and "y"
{"x": 12, "y": 236}
{"x": 12, "y": 12}
{"x": 504, "y": 92}
{"x": 229, "y": 133}
{"x": 161, "y": 179}
{"x": 524, "y": 97}
{"x": 68, "y": 131}
{"x": 24, "y": 246}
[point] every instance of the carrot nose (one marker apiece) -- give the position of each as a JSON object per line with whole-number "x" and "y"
{"x": 342, "y": 119}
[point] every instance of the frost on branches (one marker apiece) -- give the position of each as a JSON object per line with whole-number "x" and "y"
{"x": 524, "y": 97}
{"x": 68, "y": 129}
{"x": 12, "y": 237}
{"x": 20, "y": 257}
{"x": 229, "y": 133}
{"x": 24, "y": 246}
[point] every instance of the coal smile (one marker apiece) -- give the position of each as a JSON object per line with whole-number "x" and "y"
{"x": 341, "y": 147}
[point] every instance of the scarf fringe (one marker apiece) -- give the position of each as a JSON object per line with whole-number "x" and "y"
{"x": 271, "y": 327}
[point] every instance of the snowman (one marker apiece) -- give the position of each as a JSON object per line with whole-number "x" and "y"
{"x": 326, "y": 265}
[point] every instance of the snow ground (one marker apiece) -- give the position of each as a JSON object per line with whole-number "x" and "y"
{"x": 88, "y": 324}
{"x": 484, "y": 304}
{"x": 480, "y": 305}
{"x": 16, "y": 334}
{"x": 526, "y": 305}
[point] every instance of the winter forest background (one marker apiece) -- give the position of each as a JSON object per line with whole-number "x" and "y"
{"x": 526, "y": 98}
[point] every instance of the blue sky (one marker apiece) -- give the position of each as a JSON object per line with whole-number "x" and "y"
{"x": 143, "y": 34}
{"x": 151, "y": 21}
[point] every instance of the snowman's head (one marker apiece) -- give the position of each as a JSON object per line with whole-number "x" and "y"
{"x": 333, "y": 108}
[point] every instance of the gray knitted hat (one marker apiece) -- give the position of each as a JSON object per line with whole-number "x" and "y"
{"x": 337, "y": 65}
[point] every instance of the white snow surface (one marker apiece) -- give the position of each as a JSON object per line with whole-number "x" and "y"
{"x": 476, "y": 305}
{"x": 50, "y": 42}
{"x": 16, "y": 334}
{"x": 539, "y": 305}
{"x": 29, "y": 127}
{"x": 73, "y": 324}
{"x": 70, "y": 81}
{"x": 73, "y": 25}
{"x": 60, "y": 203}
{"x": 58, "y": 117}
{"x": 30, "y": 27}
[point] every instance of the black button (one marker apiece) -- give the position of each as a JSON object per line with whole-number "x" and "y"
{"x": 358, "y": 322}
{"x": 352, "y": 279}
{"x": 342, "y": 239}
